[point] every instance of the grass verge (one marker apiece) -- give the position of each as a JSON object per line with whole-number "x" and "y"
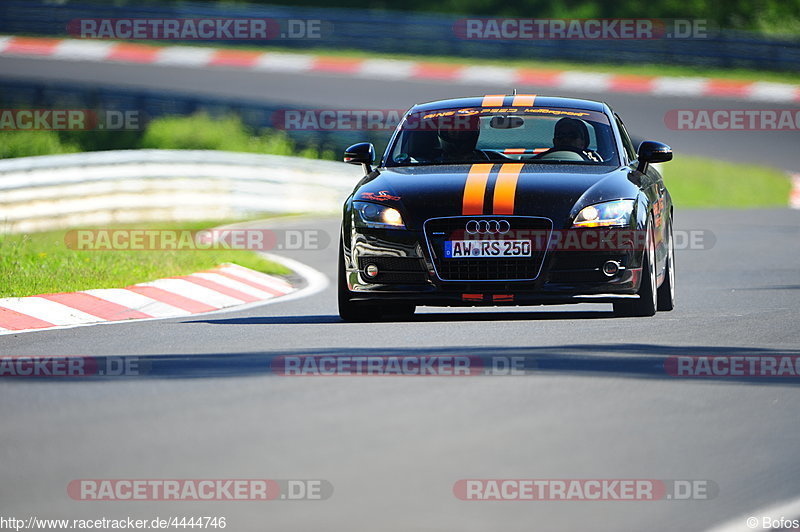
{"x": 199, "y": 131}
{"x": 702, "y": 182}
{"x": 42, "y": 263}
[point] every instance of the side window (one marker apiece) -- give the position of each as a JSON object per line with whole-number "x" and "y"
{"x": 626, "y": 140}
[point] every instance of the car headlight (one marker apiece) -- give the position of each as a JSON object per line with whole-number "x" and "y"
{"x": 378, "y": 216}
{"x": 608, "y": 214}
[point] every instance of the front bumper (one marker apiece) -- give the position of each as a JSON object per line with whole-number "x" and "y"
{"x": 407, "y": 272}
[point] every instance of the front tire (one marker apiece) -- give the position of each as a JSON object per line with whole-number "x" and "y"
{"x": 647, "y": 302}
{"x": 666, "y": 292}
{"x": 354, "y": 311}
{"x": 358, "y": 311}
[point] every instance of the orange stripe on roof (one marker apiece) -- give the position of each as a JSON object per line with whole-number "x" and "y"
{"x": 505, "y": 188}
{"x": 475, "y": 189}
{"x": 514, "y": 150}
{"x": 493, "y": 100}
{"x": 524, "y": 100}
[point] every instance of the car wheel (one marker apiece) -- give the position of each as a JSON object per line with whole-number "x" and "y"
{"x": 647, "y": 302}
{"x": 352, "y": 310}
{"x": 666, "y": 292}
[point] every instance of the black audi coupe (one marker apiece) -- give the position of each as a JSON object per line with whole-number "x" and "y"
{"x": 507, "y": 200}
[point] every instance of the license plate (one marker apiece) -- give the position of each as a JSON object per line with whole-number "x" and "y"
{"x": 476, "y": 249}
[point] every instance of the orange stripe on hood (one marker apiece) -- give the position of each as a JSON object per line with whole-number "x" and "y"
{"x": 475, "y": 189}
{"x": 493, "y": 100}
{"x": 505, "y": 188}
{"x": 523, "y": 100}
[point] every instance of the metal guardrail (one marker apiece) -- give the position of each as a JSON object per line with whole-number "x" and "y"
{"x": 425, "y": 34}
{"x": 128, "y": 186}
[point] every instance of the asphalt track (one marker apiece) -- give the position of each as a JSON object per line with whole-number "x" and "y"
{"x": 595, "y": 401}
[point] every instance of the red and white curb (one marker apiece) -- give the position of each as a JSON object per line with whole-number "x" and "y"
{"x": 389, "y": 69}
{"x": 220, "y": 288}
{"x": 794, "y": 195}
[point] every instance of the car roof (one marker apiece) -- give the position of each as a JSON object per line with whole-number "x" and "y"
{"x": 508, "y": 100}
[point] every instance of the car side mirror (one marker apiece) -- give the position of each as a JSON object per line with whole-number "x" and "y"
{"x": 362, "y": 153}
{"x": 651, "y": 151}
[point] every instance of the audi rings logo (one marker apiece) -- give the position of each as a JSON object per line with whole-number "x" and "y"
{"x": 488, "y": 227}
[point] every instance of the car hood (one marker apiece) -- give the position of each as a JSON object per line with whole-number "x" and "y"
{"x": 552, "y": 191}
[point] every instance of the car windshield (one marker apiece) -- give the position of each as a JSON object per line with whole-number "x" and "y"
{"x": 526, "y": 134}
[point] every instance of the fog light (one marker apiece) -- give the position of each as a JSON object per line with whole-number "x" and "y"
{"x": 371, "y": 270}
{"x": 611, "y": 268}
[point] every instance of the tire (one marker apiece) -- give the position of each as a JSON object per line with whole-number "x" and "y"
{"x": 647, "y": 302}
{"x": 666, "y": 292}
{"x": 357, "y": 311}
{"x": 351, "y": 310}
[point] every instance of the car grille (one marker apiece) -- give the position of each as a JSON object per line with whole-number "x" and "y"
{"x": 439, "y": 230}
